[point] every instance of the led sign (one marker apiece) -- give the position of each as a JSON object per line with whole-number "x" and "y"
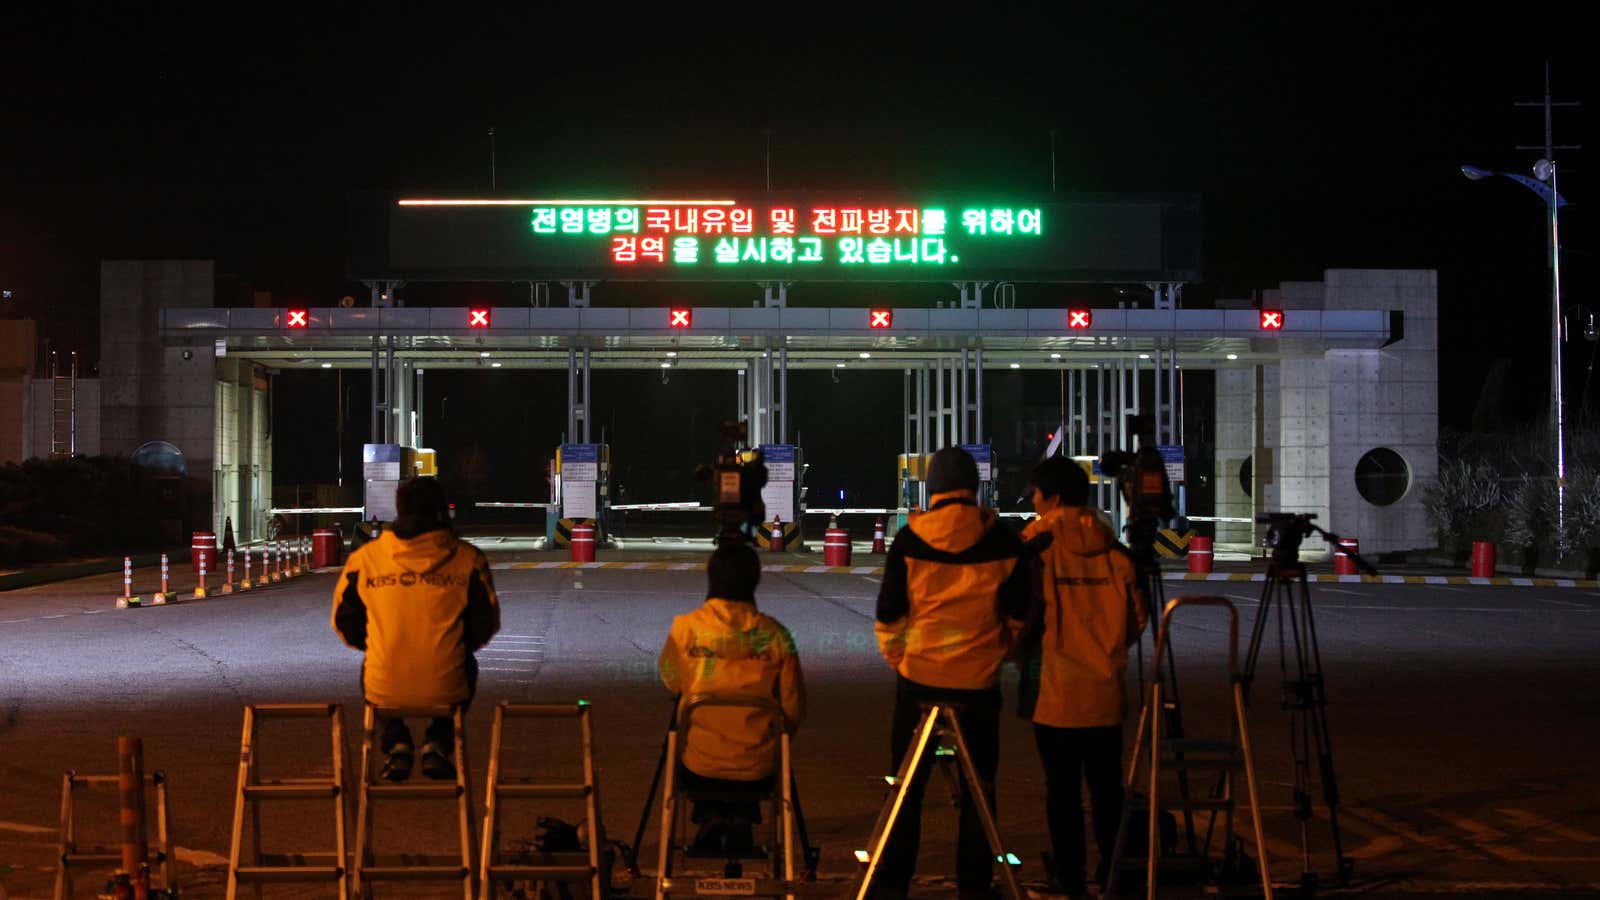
{"x": 679, "y": 318}
{"x": 1272, "y": 320}
{"x": 297, "y": 318}
{"x": 880, "y": 318}
{"x": 477, "y": 318}
{"x": 1079, "y": 319}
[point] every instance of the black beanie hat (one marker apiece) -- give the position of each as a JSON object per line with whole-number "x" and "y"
{"x": 952, "y": 469}
{"x": 732, "y": 573}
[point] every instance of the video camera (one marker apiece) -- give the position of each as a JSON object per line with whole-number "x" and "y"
{"x": 737, "y": 477}
{"x": 1285, "y": 531}
{"x": 1141, "y": 479}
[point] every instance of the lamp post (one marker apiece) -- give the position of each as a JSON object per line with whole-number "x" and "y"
{"x": 1543, "y": 183}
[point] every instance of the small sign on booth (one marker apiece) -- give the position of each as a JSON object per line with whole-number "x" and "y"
{"x": 1172, "y": 455}
{"x": 580, "y": 474}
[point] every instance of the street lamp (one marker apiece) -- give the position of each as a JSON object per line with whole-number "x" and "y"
{"x": 1543, "y": 183}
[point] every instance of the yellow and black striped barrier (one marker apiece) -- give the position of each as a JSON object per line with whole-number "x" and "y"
{"x": 1173, "y": 544}
{"x": 791, "y": 535}
{"x": 564, "y": 530}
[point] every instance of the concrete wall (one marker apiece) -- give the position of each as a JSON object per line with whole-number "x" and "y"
{"x": 18, "y": 349}
{"x": 150, "y": 392}
{"x": 242, "y": 450}
{"x": 1235, "y": 443}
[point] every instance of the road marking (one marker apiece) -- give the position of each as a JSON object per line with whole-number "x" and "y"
{"x": 1343, "y": 591}
{"x": 199, "y": 858}
{"x": 1383, "y": 820}
{"x": 1529, "y": 819}
{"x": 94, "y": 612}
{"x": 1562, "y": 602}
{"x": 509, "y": 650}
{"x": 27, "y": 829}
{"x": 493, "y": 669}
{"x": 1484, "y": 837}
{"x": 873, "y": 580}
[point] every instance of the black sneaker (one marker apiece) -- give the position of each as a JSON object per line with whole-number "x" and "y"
{"x": 436, "y": 763}
{"x": 398, "y": 766}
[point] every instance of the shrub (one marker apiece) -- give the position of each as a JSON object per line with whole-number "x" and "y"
{"x": 20, "y": 546}
{"x": 1531, "y": 515}
{"x": 1465, "y": 503}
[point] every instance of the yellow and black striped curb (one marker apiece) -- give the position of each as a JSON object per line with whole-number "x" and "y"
{"x": 1466, "y": 580}
{"x": 1463, "y": 580}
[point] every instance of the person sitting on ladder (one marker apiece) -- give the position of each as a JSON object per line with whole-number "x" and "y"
{"x": 728, "y": 649}
{"x": 420, "y": 602}
{"x": 1090, "y": 610}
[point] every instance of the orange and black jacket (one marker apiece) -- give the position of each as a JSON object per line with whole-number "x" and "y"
{"x": 419, "y": 605}
{"x": 955, "y": 589}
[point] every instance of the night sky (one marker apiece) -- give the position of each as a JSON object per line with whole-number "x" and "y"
{"x": 1319, "y": 139}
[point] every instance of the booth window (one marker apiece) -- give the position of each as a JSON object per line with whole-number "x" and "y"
{"x": 1382, "y": 476}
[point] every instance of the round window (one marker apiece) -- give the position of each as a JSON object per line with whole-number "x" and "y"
{"x": 1246, "y": 474}
{"x": 1382, "y": 476}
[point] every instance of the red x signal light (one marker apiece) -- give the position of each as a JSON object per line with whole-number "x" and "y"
{"x": 679, "y": 318}
{"x": 881, "y": 318}
{"x": 477, "y": 318}
{"x": 1272, "y": 320}
{"x": 297, "y": 318}
{"x": 1079, "y": 319}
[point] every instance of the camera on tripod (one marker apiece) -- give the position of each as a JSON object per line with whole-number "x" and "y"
{"x": 737, "y": 476}
{"x": 1141, "y": 478}
{"x": 1285, "y": 531}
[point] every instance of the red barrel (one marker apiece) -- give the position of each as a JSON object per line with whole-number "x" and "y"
{"x": 775, "y": 539}
{"x": 1343, "y": 563}
{"x": 1200, "y": 555}
{"x": 203, "y": 545}
{"x": 836, "y": 547}
{"x": 583, "y": 543}
{"x": 327, "y": 548}
{"x": 1483, "y": 559}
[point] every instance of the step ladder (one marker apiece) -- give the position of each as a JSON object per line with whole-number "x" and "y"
{"x": 295, "y": 867}
{"x": 71, "y": 857}
{"x": 673, "y": 877}
{"x": 937, "y": 728}
{"x": 499, "y": 868}
{"x": 1226, "y": 758}
{"x": 411, "y": 866}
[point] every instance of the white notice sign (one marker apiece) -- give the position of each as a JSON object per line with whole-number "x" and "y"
{"x": 779, "y": 499}
{"x": 577, "y": 499}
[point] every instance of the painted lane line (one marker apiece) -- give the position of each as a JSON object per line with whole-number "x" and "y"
{"x": 23, "y": 828}
{"x": 1563, "y": 602}
{"x": 1342, "y": 591}
{"x": 494, "y": 669}
{"x": 1529, "y": 819}
{"x": 508, "y": 650}
{"x": 57, "y": 616}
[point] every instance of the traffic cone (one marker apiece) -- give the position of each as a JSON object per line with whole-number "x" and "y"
{"x": 877, "y": 536}
{"x": 775, "y": 542}
{"x": 160, "y": 599}
{"x": 127, "y": 600}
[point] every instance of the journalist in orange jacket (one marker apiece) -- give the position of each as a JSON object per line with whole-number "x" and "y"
{"x": 420, "y": 602}
{"x": 726, "y": 649}
{"x": 1090, "y": 611}
{"x": 954, "y": 589}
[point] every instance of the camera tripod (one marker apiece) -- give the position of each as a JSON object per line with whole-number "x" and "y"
{"x": 1287, "y": 592}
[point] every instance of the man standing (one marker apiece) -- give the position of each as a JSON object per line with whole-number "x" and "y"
{"x": 1092, "y": 610}
{"x": 420, "y": 602}
{"x": 954, "y": 588}
{"x": 728, "y": 650}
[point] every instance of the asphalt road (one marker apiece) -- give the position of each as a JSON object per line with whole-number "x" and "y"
{"x": 1464, "y": 719}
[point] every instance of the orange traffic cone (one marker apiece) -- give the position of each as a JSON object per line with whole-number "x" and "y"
{"x": 877, "y": 536}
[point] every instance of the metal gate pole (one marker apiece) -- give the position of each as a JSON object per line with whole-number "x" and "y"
{"x": 939, "y": 401}
{"x": 1156, "y": 407}
{"x": 979, "y": 438}
{"x": 922, "y": 407}
{"x": 1174, "y": 417}
{"x": 588, "y": 404}
{"x": 388, "y": 391}
{"x": 961, "y": 413}
{"x": 905, "y": 418}
{"x": 783, "y": 396}
{"x": 572, "y": 396}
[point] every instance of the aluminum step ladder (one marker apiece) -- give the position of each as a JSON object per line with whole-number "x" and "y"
{"x": 287, "y": 868}
{"x": 1227, "y": 758}
{"x": 674, "y": 854}
{"x": 499, "y": 868}
{"x": 410, "y": 866}
{"x": 938, "y": 727}
{"x": 71, "y": 857}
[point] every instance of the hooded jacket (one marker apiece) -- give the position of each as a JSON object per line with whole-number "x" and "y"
{"x": 729, "y": 650}
{"x": 1091, "y": 610}
{"x": 419, "y": 606}
{"x": 952, "y": 579}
